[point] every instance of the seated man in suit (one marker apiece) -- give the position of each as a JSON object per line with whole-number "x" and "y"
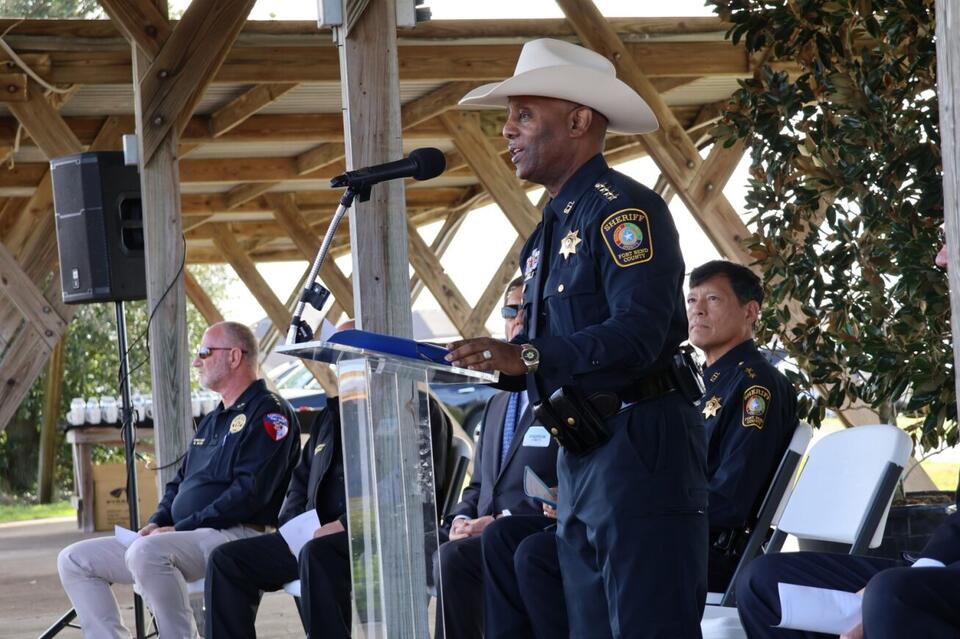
{"x": 750, "y": 413}
{"x": 899, "y": 600}
{"x": 509, "y": 441}
{"x": 230, "y": 486}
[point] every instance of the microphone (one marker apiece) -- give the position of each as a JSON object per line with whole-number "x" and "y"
{"x": 423, "y": 164}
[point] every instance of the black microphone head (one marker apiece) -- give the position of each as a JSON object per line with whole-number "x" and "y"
{"x": 430, "y": 162}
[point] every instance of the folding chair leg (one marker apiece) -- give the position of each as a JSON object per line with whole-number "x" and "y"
{"x": 60, "y": 624}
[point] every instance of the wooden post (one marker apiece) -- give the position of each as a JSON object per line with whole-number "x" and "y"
{"x": 48, "y": 429}
{"x": 948, "y": 90}
{"x": 370, "y": 86}
{"x": 171, "y": 70}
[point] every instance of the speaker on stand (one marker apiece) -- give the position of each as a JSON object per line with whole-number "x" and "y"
{"x": 99, "y": 220}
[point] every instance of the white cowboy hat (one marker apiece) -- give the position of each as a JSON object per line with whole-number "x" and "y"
{"x": 556, "y": 69}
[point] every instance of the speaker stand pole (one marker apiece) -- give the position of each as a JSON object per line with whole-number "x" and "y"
{"x": 129, "y": 435}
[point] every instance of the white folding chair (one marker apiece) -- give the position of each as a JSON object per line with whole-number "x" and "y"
{"x": 772, "y": 504}
{"x": 842, "y": 495}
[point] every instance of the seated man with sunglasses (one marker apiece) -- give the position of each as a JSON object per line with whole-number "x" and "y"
{"x": 230, "y": 486}
{"x": 509, "y": 440}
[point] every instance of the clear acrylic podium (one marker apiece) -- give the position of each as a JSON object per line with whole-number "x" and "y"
{"x": 389, "y": 482}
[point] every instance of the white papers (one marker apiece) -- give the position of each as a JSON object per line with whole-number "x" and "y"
{"x": 299, "y": 530}
{"x": 124, "y": 535}
{"x": 833, "y": 612}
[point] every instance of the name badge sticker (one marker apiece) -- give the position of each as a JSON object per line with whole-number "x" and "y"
{"x": 537, "y": 437}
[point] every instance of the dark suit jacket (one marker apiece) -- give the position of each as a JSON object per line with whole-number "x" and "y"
{"x": 317, "y": 480}
{"x": 493, "y": 489}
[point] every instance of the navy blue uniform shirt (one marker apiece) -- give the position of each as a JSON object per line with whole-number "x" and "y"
{"x": 750, "y": 413}
{"x": 237, "y": 466}
{"x": 612, "y": 305}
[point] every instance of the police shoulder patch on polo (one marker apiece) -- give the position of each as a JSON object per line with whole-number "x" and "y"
{"x": 627, "y": 235}
{"x": 756, "y": 401}
{"x": 276, "y": 426}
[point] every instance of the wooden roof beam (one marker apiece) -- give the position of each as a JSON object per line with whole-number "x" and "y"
{"x": 246, "y": 270}
{"x": 418, "y": 63}
{"x": 448, "y": 296}
{"x": 670, "y": 146}
{"x": 288, "y": 216}
{"x": 496, "y": 178}
{"x": 243, "y": 107}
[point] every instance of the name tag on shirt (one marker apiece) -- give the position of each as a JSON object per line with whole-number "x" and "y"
{"x": 536, "y": 436}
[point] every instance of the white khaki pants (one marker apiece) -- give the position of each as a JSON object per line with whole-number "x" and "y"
{"x": 159, "y": 565}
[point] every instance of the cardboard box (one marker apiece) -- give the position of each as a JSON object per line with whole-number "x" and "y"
{"x": 110, "y": 495}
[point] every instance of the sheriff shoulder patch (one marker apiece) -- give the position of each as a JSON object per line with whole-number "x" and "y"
{"x": 627, "y": 235}
{"x": 756, "y": 401}
{"x": 276, "y": 426}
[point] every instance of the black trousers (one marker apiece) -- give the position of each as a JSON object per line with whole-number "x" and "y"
{"x": 523, "y": 589}
{"x": 239, "y": 571}
{"x": 459, "y": 571}
{"x": 898, "y": 602}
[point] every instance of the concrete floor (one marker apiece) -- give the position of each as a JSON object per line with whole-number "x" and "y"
{"x": 31, "y": 598}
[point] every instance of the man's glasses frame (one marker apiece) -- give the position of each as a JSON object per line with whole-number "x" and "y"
{"x": 510, "y": 311}
{"x": 204, "y": 352}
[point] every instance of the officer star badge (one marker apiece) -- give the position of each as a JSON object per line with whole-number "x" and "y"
{"x": 568, "y": 245}
{"x": 712, "y": 407}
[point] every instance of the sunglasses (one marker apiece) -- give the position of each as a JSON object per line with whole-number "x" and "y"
{"x": 510, "y": 311}
{"x": 206, "y": 351}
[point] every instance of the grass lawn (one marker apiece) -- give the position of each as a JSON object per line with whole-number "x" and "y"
{"x": 23, "y": 512}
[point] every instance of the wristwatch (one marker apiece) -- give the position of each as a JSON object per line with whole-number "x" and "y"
{"x": 530, "y": 356}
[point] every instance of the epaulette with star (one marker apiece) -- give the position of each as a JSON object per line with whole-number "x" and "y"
{"x": 606, "y": 191}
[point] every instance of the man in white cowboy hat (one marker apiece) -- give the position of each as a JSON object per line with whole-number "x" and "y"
{"x": 599, "y": 353}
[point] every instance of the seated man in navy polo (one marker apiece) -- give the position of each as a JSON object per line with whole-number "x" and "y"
{"x": 230, "y": 486}
{"x": 749, "y": 407}
{"x": 509, "y": 441}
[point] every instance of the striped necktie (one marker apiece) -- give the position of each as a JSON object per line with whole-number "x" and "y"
{"x": 509, "y": 425}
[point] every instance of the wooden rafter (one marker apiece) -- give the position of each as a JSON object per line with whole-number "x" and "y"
{"x": 437, "y": 62}
{"x": 308, "y": 242}
{"x": 27, "y": 355}
{"x": 247, "y": 271}
{"x": 448, "y": 296}
{"x": 201, "y": 301}
{"x": 493, "y": 293}
{"x": 496, "y": 178}
{"x": 184, "y": 65}
{"x": 29, "y": 300}
{"x": 670, "y": 146}
{"x": 243, "y": 107}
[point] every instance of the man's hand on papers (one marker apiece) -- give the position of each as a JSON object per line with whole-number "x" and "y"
{"x": 328, "y": 529}
{"x": 161, "y": 530}
{"x": 857, "y": 631}
{"x": 487, "y": 354}
{"x": 146, "y": 530}
{"x": 463, "y": 528}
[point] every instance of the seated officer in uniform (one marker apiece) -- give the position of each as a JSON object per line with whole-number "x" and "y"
{"x": 230, "y": 486}
{"x": 899, "y": 600}
{"x": 750, "y": 411}
{"x": 749, "y": 407}
{"x": 240, "y": 571}
{"x": 509, "y": 441}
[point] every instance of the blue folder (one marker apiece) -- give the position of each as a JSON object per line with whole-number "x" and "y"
{"x": 391, "y": 345}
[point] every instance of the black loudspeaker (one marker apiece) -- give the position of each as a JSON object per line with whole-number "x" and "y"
{"x": 96, "y": 199}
